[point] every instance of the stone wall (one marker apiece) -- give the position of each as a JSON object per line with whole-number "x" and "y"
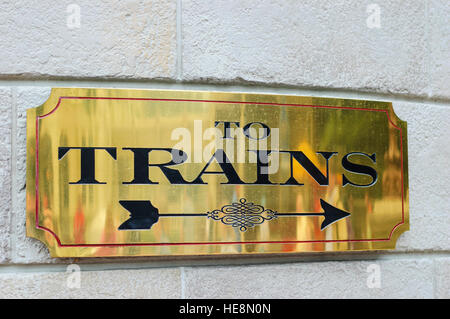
{"x": 387, "y": 50}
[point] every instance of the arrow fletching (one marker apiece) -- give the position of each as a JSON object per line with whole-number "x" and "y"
{"x": 142, "y": 214}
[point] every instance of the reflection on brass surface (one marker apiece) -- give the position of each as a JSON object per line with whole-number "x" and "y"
{"x": 103, "y": 179}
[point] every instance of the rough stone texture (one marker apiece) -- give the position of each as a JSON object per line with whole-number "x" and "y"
{"x": 439, "y": 34}
{"x": 307, "y": 43}
{"x": 147, "y": 283}
{"x": 398, "y": 279}
{"x": 302, "y": 43}
{"x": 442, "y": 278}
{"x": 126, "y": 39}
{"x": 5, "y": 173}
{"x": 429, "y": 190}
{"x": 25, "y": 249}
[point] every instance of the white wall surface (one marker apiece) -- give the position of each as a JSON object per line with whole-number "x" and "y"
{"x": 319, "y": 48}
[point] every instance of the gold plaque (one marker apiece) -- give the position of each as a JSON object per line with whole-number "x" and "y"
{"x": 117, "y": 172}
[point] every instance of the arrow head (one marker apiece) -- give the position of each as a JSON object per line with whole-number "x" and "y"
{"x": 331, "y": 214}
{"x": 142, "y": 214}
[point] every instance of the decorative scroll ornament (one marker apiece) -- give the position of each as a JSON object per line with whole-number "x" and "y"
{"x": 243, "y": 215}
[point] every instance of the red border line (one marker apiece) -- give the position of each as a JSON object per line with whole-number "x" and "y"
{"x": 205, "y": 243}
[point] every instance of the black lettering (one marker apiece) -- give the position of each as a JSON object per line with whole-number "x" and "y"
{"x": 87, "y": 171}
{"x": 141, "y": 166}
{"x": 262, "y": 165}
{"x": 249, "y": 125}
{"x": 306, "y": 163}
{"x": 359, "y": 169}
{"x": 226, "y": 128}
{"x": 227, "y": 169}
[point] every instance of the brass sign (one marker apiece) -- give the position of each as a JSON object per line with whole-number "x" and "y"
{"x": 115, "y": 172}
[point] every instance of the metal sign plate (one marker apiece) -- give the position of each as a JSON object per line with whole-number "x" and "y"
{"x": 118, "y": 172}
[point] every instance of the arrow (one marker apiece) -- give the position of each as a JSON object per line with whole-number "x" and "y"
{"x": 331, "y": 214}
{"x": 143, "y": 215}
